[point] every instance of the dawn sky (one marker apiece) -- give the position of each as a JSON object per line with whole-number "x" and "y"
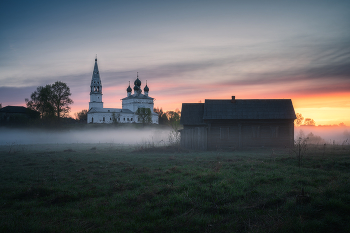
{"x": 188, "y": 51}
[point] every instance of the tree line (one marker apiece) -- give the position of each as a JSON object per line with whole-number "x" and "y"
{"x": 301, "y": 121}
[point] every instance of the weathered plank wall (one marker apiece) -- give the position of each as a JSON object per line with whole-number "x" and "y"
{"x": 238, "y": 133}
{"x": 194, "y": 137}
{"x": 247, "y": 133}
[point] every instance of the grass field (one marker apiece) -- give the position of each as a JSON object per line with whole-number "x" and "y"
{"x": 119, "y": 188}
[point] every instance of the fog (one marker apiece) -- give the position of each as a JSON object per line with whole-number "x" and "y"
{"x": 330, "y": 135}
{"x": 136, "y": 136}
{"x": 130, "y": 136}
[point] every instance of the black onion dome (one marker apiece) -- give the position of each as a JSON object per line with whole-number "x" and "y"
{"x": 137, "y": 82}
{"x": 146, "y": 89}
{"x": 128, "y": 89}
{"x": 136, "y": 88}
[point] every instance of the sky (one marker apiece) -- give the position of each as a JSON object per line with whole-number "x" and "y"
{"x": 188, "y": 51}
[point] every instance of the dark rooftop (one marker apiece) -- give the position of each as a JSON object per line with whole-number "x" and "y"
{"x": 240, "y": 109}
{"x": 192, "y": 114}
{"x": 249, "y": 109}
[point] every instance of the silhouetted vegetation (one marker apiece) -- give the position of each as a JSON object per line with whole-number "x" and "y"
{"x": 81, "y": 116}
{"x": 144, "y": 115}
{"x": 171, "y": 118}
{"x": 51, "y": 101}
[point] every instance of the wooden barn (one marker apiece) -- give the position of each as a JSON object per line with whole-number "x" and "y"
{"x": 236, "y": 123}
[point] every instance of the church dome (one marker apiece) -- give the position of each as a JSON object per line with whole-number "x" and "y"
{"x": 136, "y": 88}
{"x": 137, "y": 82}
{"x": 146, "y": 89}
{"x": 128, "y": 89}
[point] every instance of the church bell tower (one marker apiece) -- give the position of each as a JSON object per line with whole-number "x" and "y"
{"x": 96, "y": 89}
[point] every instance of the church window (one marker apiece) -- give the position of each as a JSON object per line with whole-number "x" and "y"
{"x": 131, "y": 119}
{"x": 110, "y": 118}
{"x": 108, "y": 110}
{"x": 124, "y": 119}
{"x": 128, "y": 119}
{"x": 92, "y": 120}
{"x": 103, "y": 118}
{"x": 118, "y": 119}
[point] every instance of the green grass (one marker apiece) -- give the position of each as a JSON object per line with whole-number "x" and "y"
{"x": 117, "y": 188}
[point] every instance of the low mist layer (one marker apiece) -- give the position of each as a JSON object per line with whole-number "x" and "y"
{"x": 321, "y": 135}
{"x": 96, "y": 135}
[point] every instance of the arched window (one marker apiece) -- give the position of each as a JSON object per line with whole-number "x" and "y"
{"x": 103, "y": 119}
{"x": 92, "y": 120}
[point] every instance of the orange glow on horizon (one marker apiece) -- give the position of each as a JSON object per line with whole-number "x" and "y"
{"x": 324, "y": 109}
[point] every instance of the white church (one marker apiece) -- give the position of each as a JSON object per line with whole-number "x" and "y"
{"x": 127, "y": 114}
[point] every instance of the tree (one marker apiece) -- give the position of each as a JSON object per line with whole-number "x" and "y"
{"x": 60, "y": 100}
{"x": 81, "y": 116}
{"x": 51, "y": 100}
{"x": 41, "y": 101}
{"x": 115, "y": 118}
{"x": 163, "y": 119}
{"x": 174, "y": 118}
{"x": 309, "y": 121}
{"x": 174, "y": 121}
{"x": 299, "y": 120}
{"x": 145, "y": 115}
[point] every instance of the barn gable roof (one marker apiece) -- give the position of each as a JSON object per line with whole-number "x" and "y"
{"x": 267, "y": 109}
{"x": 240, "y": 109}
{"x": 192, "y": 114}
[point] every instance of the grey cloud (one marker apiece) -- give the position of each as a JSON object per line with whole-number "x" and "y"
{"x": 15, "y": 95}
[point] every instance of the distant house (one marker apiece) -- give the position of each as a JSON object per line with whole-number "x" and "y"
{"x": 17, "y": 114}
{"x": 236, "y": 123}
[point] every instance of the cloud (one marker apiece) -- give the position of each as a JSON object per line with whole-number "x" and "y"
{"x": 15, "y": 95}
